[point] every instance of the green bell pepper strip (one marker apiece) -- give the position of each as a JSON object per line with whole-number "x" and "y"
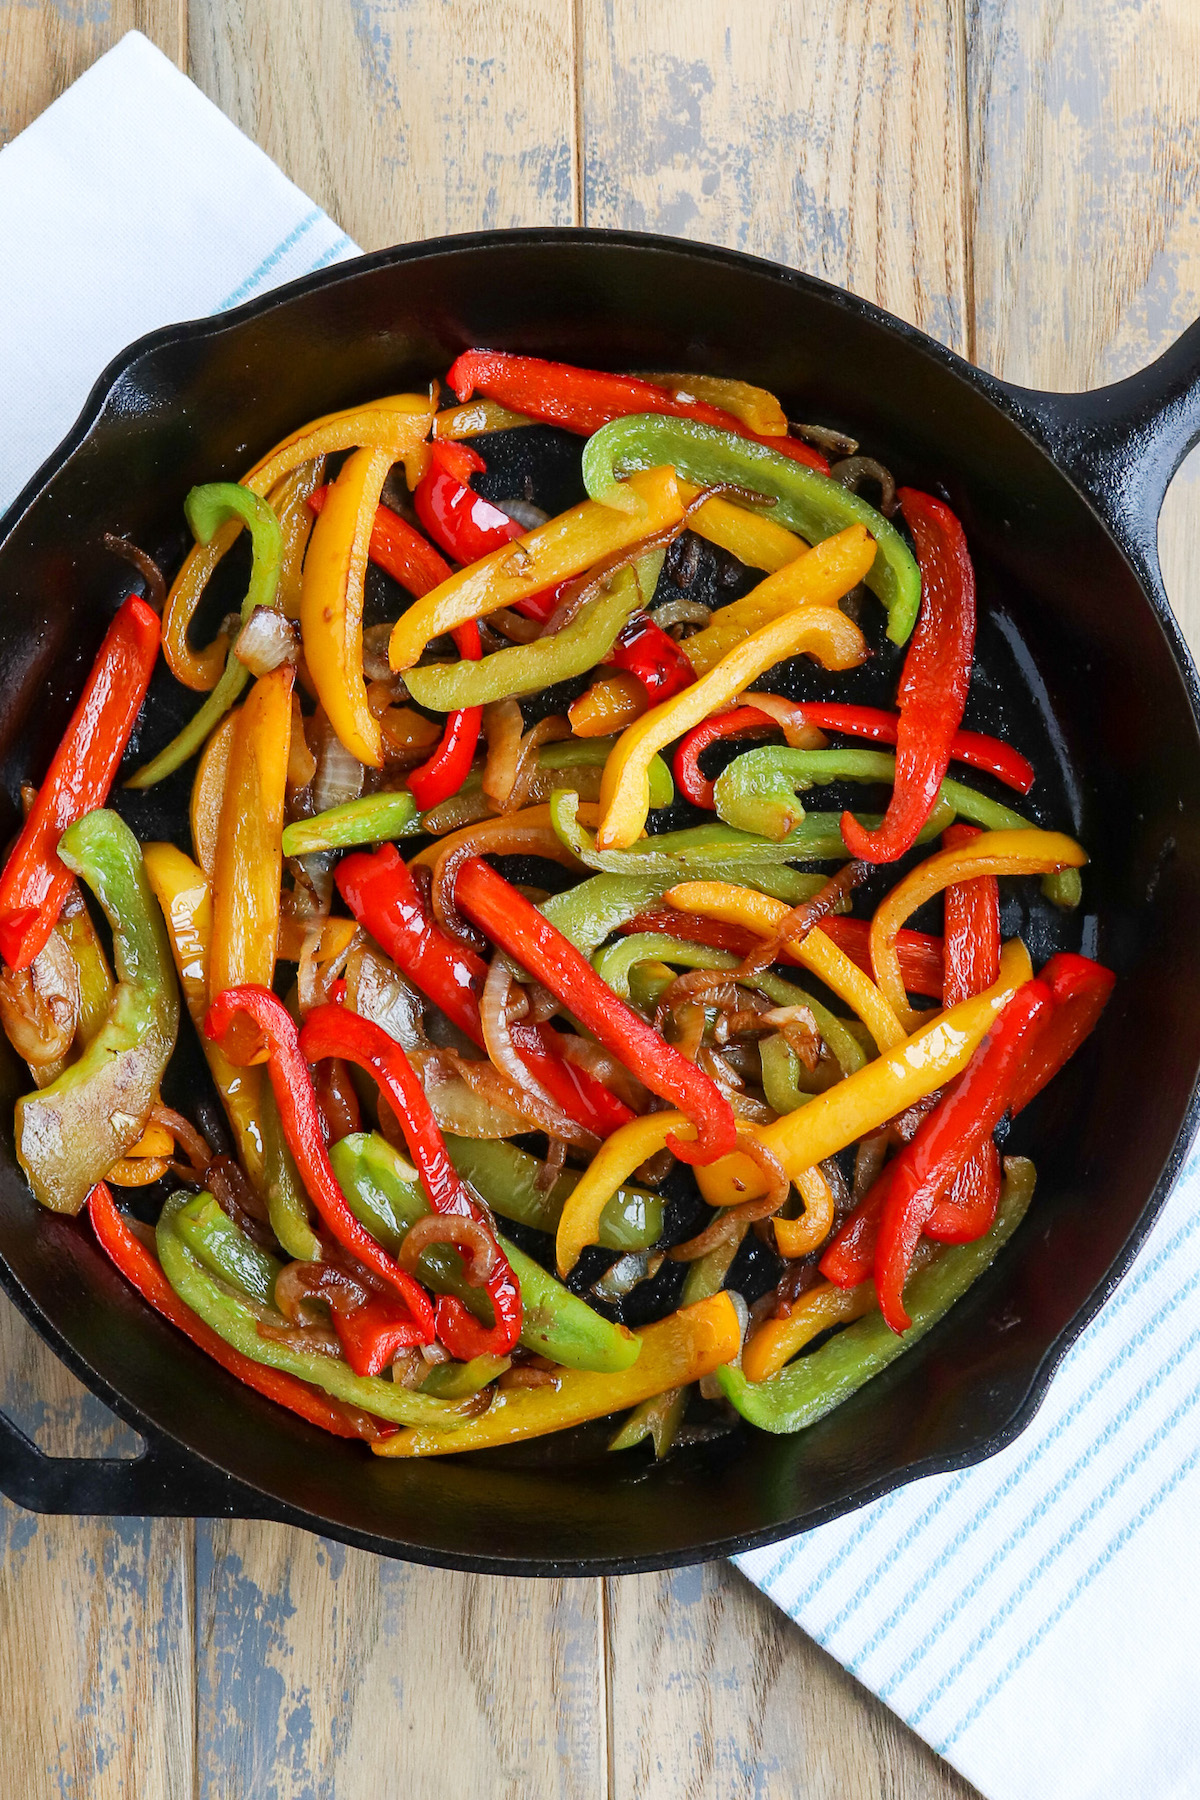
{"x": 576, "y": 763}
{"x": 813, "y": 505}
{"x": 371, "y": 819}
{"x": 506, "y": 1178}
{"x": 589, "y": 911}
{"x": 235, "y": 1318}
{"x": 814, "y": 1385}
{"x": 757, "y": 792}
{"x": 287, "y": 1202}
{"x": 614, "y": 963}
{"x": 658, "y": 1419}
{"x": 712, "y": 852}
{"x": 782, "y": 1072}
{"x": 226, "y": 1251}
{"x": 457, "y": 1381}
{"x": 207, "y": 509}
{"x": 71, "y": 1133}
{"x": 531, "y": 668}
{"x": 555, "y": 1323}
{"x": 580, "y": 753}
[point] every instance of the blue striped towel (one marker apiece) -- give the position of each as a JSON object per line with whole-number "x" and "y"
{"x": 1034, "y": 1618}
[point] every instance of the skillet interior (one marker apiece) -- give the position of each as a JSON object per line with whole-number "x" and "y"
{"x": 1078, "y": 664}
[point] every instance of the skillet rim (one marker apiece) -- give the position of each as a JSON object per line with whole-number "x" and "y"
{"x": 232, "y": 1495}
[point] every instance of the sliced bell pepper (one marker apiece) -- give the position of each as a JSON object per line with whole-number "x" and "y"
{"x": 645, "y": 651}
{"x": 35, "y": 882}
{"x": 249, "y": 859}
{"x": 517, "y": 927}
{"x": 565, "y": 546}
{"x": 291, "y": 500}
{"x": 895, "y": 1080}
{"x": 804, "y": 1392}
{"x": 208, "y": 792}
{"x": 776, "y": 1341}
{"x": 476, "y": 419}
{"x": 331, "y": 601}
{"x": 1081, "y": 989}
{"x": 446, "y": 770}
{"x": 70, "y": 1133}
{"x": 583, "y": 400}
{"x": 508, "y": 1180}
{"x": 753, "y": 537}
{"x": 934, "y": 683}
{"x": 821, "y": 631}
{"x": 335, "y": 1031}
{"x": 679, "y": 1349}
{"x": 612, "y": 702}
{"x": 184, "y": 894}
{"x": 462, "y": 523}
{"x": 554, "y": 1322}
{"x": 371, "y": 819}
{"x": 398, "y": 423}
{"x": 208, "y": 509}
{"x": 131, "y": 1257}
{"x": 816, "y": 951}
{"x": 805, "y": 501}
{"x": 608, "y": 1171}
{"x": 754, "y": 407}
{"x": 1019, "y": 852}
{"x": 971, "y": 747}
{"x": 398, "y": 549}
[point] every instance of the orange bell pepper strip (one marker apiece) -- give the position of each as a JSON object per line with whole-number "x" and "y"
{"x": 864, "y": 1101}
{"x": 733, "y": 905}
{"x": 399, "y": 423}
{"x": 208, "y": 791}
{"x": 249, "y": 860}
{"x": 1027, "y": 852}
{"x": 565, "y": 546}
{"x": 612, "y": 702}
{"x": 184, "y": 893}
{"x": 821, "y": 630}
{"x": 797, "y": 1237}
{"x": 331, "y": 601}
{"x": 776, "y": 1341}
{"x": 679, "y": 1349}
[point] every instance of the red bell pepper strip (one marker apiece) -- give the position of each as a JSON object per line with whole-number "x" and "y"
{"x": 35, "y": 883}
{"x": 933, "y": 685}
{"x": 463, "y": 523}
{"x": 372, "y": 1334}
{"x": 300, "y": 1116}
{"x": 399, "y": 550}
{"x": 645, "y": 651}
{"x": 380, "y": 892}
{"x": 1081, "y": 989}
{"x": 972, "y": 960}
{"x": 920, "y": 954}
{"x": 446, "y": 770}
{"x": 519, "y": 929}
{"x": 974, "y": 748}
{"x": 140, "y": 1268}
{"x": 849, "y": 1257}
{"x": 948, "y": 1138}
{"x": 332, "y": 1031}
{"x": 583, "y": 400}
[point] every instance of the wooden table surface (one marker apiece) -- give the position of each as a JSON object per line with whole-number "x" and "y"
{"x": 1018, "y": 177}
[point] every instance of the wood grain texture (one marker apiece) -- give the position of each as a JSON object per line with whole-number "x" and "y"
{"x": 44, "y": 46}
{"x": 402, "y": 121}
{"x": 326, "y": 1671}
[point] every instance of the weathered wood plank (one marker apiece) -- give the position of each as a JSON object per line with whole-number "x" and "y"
{"x": 828, "y": 136}
{"x": 402, "y": 121}
{"x": 44, "y": 47}
{"x": 328, "y": 1671}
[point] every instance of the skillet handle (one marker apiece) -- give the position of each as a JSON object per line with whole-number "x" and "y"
{"x": 163, "y": 1482}
{"x": 1121, "y": 444}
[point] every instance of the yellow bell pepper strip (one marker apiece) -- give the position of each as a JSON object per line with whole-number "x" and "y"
{"x": 752, "y": 537}
{"x": 800, "y": 1395}
{"x": 624, "y": 1151}
{"x": 336, "y": 934}
{"x": 331, "y": 602}
{"x": 754, "y": 406}
{"x": 797, "y": 1237}
{"x": 400, "y": 422}
{"x": 475, "y": 419}
{"x": 863, "y": 1102}
{"x": 289, "y": 500}
{"x": 576, "y": 540}
{"x": 249, "y": 859}
{"x": 208, "y": 791}
{"x": 804, "y": 499}
{"x": 610, "y": 704}
{"x": 1024, "y": 852}
{"x": 776, "y": 1341}
{"x": 816, "y": 952}
{"x": 821, "y": 631}
{"x": 68, "y": 1135}
{"x": 185, "y": 896}
{"x": 824, "y": 581}
{"x": 679, "y": 1349}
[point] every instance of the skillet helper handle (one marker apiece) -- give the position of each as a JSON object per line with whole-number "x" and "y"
{"x": 1122, "y": 444}
{"x": 162, "y": 1482}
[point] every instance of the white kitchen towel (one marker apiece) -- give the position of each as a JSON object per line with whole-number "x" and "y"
{"x": 1033, "y": 1618}
{"x": 131, "y": 203}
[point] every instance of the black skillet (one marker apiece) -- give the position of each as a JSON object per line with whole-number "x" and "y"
{"x": 1082, "y": 660}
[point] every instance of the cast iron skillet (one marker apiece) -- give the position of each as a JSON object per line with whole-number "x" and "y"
{"x": 1060, "y": 497}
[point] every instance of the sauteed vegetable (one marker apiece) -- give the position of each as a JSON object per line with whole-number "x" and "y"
{"x": 499, "y": 898}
